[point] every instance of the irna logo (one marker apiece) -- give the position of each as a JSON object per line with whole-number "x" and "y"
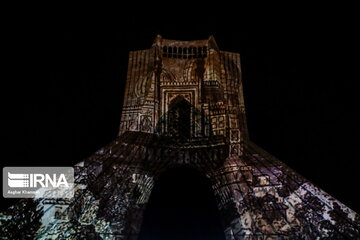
{"x": 38, "y": 182}
{"x": 23, "y": 180}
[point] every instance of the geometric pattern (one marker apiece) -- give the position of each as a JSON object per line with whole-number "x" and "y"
{"x": 184, "y": 106}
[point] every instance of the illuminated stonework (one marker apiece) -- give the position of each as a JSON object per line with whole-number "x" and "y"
{"x": 184, "y": 106}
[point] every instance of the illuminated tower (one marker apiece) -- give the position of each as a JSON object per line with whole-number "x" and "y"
{"x": 184, "y": 106}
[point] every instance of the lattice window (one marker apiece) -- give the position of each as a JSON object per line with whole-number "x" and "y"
{"x": 184, "y": 52}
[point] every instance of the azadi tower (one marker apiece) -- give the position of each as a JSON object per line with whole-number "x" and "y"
{"x": 184, "y": 106}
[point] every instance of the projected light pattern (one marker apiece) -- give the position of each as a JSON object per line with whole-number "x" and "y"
{"x": 184, "y": 106}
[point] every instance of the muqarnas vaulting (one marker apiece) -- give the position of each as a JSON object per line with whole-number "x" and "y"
{"x": 184, "y": 106}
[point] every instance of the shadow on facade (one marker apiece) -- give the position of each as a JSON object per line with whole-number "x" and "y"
{"x": 187, "y": 211}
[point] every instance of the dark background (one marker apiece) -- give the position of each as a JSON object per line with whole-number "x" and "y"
{"x": 298, "y": 69}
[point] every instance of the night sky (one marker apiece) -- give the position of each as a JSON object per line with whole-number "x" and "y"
{"x": 299, "y": 85}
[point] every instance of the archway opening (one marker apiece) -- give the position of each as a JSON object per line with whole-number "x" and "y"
{"x": 179, "y": 118}
{"x": 182, "y": 207}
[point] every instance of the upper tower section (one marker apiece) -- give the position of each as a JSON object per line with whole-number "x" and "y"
{"x": 172, "y": 76}
{"x": 188, "y": 62}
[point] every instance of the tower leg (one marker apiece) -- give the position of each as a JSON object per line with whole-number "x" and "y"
{"x": 110, "y": 196}
{"x": 261, "y": 198}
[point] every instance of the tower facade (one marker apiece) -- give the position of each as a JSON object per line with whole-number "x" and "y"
{"x": 188, "y": 90}
{"x": 184, "y": 106}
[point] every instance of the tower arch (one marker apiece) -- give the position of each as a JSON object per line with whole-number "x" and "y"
{"x": 175, "y": 115}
